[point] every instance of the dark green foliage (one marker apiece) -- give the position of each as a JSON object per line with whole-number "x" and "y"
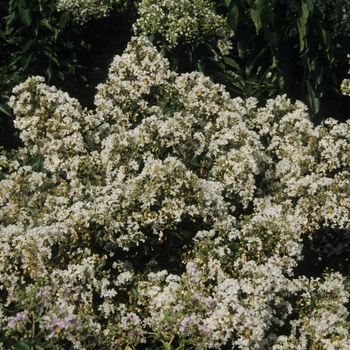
{"x": 36, "y": 39}
{"x": 288, "y": 40}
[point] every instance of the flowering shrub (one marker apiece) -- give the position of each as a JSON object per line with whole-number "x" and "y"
{"x": 82, "y": 10}
{"x": 170, "y": 215}
{"x": 186, "y": 22}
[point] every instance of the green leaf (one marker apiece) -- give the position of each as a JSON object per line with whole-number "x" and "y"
{"x": 232, "y": 18}
{"x": 49, "y": 71}
{"x": 313, "y": 99}
{"x": 64, "y": 19}
{"x": 302, "y": 23}
{"x": 255, "y": 14}
{"x": 101, "y": 265}
{"x": 47, "y": 24}
{"x": 231, "y": 62}
{"x": 21, "y": 345}
{"x": 27, "y": 44}
{"x": 5, "y": 109}
{"x": 25, "y": 60}
{"x": 22, "y": 3}
{"x": 52, "y": 58}
{"x": 271, "y": 37}
{"x": 310, "y": 5}
{"x": 9, "y": 20}
{"x": 347, "y": 281}
{"x": 145, "y": 249}
{"x": 168, "y": 318}
{"x": 24, "y": 15}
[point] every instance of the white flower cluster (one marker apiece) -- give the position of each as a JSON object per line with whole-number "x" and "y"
{"x": 183, "y": 21}
{"x": 82, "y": 10}
{"x": 345, "y": 87}
{"x": 96, "y": 200}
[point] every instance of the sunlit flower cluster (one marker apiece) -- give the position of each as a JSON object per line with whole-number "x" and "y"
{"x": 345, "y": 86}
{"x": 183, "y": 22}
{"x": 83, "y": 10}
{"x": 171, "y": 213}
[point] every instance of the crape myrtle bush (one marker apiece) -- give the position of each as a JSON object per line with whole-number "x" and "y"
{"x": 170, "y": 216}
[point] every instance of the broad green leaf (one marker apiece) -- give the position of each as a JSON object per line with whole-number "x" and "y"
{"x": 64, "y": 19}
{"x": 269, "y": 13}
{"x": 347, "y": 281}
{"x": 256, "y": 14}
{"x": 25, "y": 61}
{"x": 231, "y": 62}
{"x": 9, "y": 20}
{"x": 20, "y": 345}
{"x": 271, "y": 37}
{"x": 232, "y": 16}
{"x": 310, "y": 5}
{"x": 313, "y": 99}
{"x": 24, "y": 15}
{"x": 302, "y": 24}
{"x": 5, "y": 109}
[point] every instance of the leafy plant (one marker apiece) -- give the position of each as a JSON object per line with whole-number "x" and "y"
{"x": 35, "y": 39}
{"x": 283, "y": 47}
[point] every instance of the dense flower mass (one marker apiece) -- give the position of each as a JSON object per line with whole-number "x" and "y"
{"x": 83, "y": 10}
{"x": 172, "y": 213}
{"x": 183, "y": 21}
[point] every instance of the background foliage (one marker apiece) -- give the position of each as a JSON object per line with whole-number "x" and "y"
{"x": 36, "y": 39}
{"x": 284, "y": 47}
